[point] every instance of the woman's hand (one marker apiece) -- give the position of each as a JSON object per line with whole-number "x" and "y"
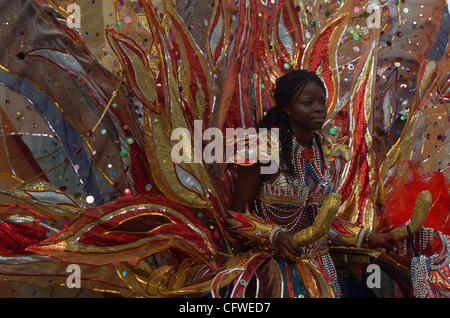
{"x": 287, "y": 247}
{"x": 381, "y": 240}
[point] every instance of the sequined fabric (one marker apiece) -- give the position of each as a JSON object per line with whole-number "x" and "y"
{"x": 86, "y": 117}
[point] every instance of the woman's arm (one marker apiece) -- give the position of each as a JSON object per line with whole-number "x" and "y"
{"x": 246, "y": 187}
{"x": 343, "y": 232}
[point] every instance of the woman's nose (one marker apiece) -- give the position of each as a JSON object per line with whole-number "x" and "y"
{"x": 319, "y": 107}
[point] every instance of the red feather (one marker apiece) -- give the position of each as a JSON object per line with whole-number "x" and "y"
{"x": 400, "y": 203}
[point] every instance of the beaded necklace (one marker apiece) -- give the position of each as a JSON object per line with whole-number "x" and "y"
{"x": 305, "y": 162}
{"x": 309, "y": 162}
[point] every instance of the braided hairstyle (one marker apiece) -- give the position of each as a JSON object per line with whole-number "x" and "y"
{"x": 287, "y": 89}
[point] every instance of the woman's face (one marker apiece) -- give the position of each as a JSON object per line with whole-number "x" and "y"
{"x": 308, "y": 111}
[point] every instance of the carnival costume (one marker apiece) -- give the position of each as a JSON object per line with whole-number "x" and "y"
{"x": 105, "y": 194}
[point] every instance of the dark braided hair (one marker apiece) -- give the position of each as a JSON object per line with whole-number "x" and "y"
{"x": 287, "y": 89}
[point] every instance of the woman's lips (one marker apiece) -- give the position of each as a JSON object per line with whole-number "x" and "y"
{"x": 317, "y": 122}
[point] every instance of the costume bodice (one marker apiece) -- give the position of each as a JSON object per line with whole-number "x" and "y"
{"x": 297, "y": 194}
